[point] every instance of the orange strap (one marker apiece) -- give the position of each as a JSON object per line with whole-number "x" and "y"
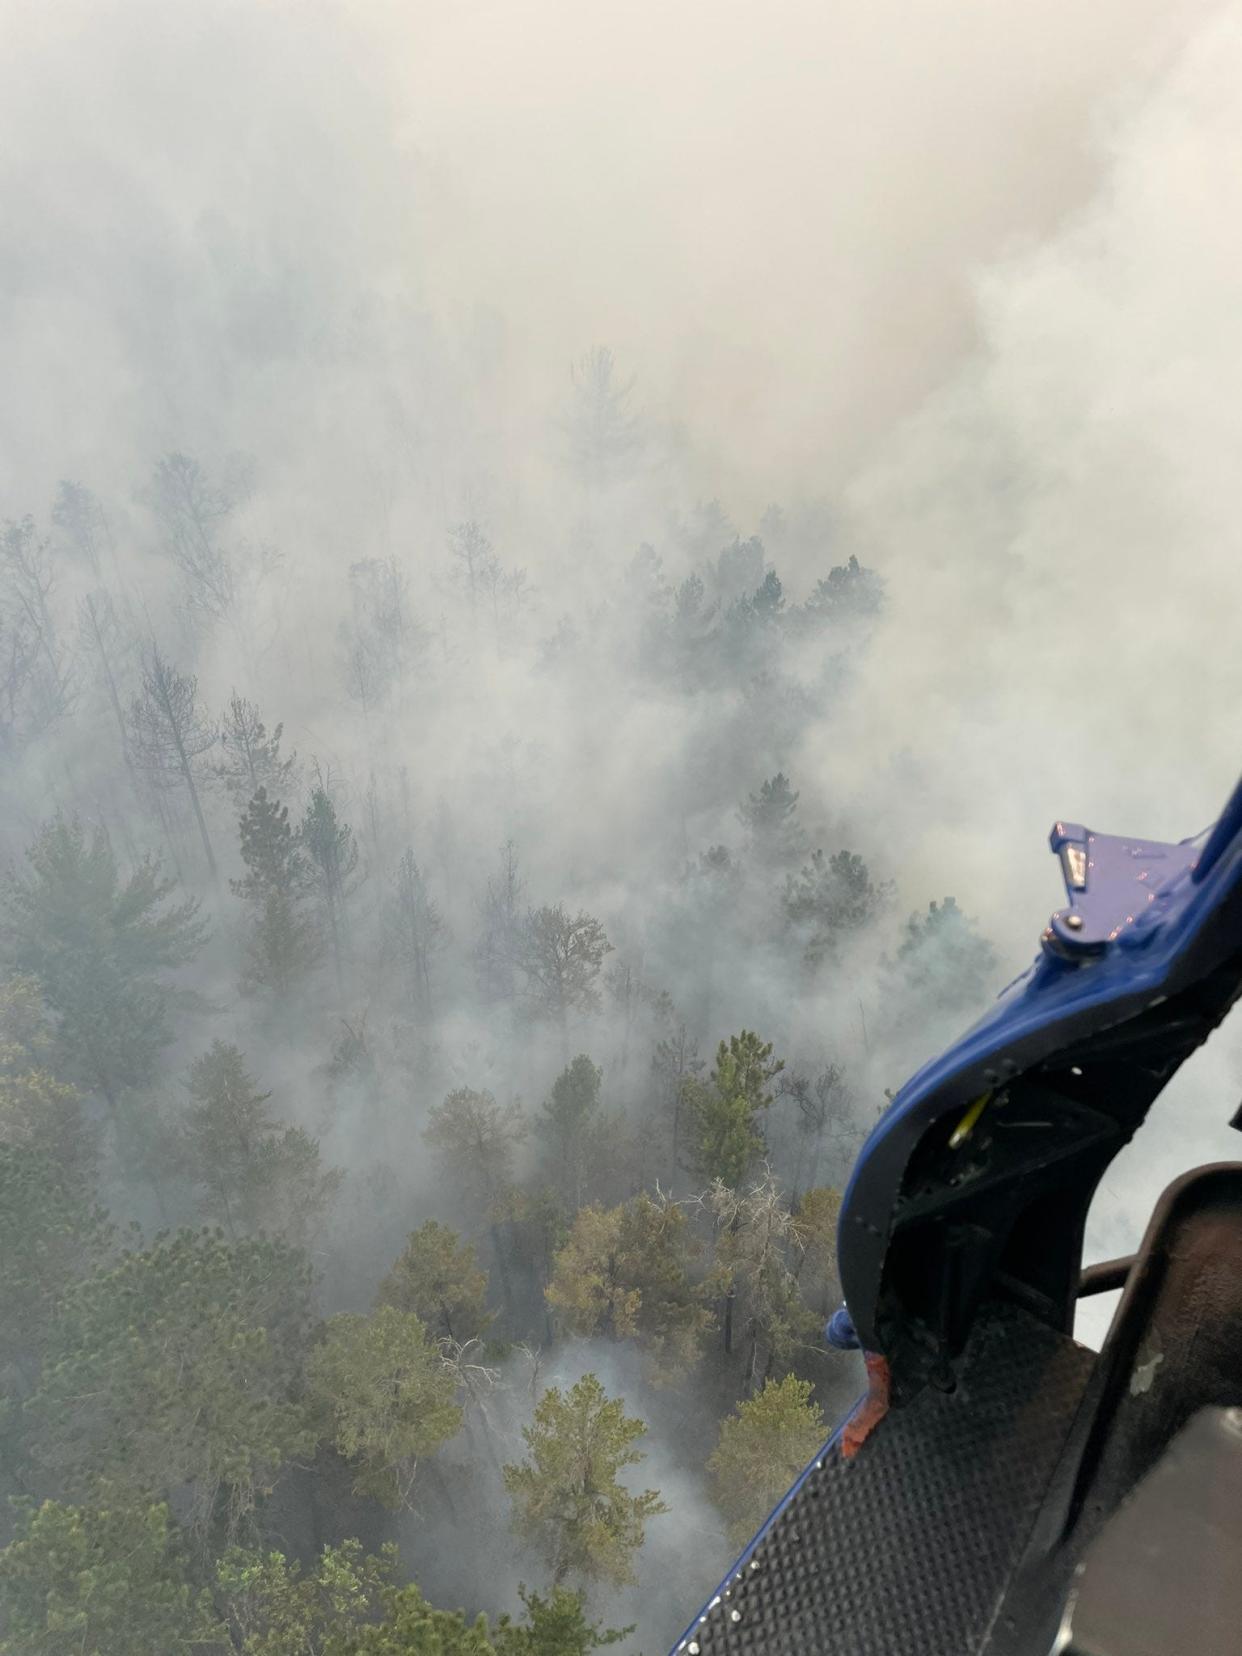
{"x": 871, "y": 1411}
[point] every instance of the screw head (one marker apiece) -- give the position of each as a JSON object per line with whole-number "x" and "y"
{"x": 735, "y": 1615}
{"x": 1074, "y": 922}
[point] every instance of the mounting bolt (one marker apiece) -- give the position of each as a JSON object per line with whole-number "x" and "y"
{"x": 1074, "y": 922}
{"x": 693, "y": 1647}
{"x": 735, "y": 1615}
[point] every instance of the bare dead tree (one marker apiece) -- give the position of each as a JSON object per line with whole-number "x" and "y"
{"x": 104, "y": 643}
{"x": 41, "y": 672}
{"x": 169, "y": 734}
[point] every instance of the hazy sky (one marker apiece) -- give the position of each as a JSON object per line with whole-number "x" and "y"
{"x": 778, "y": 216}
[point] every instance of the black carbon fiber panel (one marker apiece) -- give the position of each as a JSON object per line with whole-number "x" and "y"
{"x": 907, "y": 1549}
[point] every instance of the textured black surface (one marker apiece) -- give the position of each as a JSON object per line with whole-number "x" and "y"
{"x": 907, "y": 1549}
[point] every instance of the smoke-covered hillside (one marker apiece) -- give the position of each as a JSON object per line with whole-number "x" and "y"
{"x": 547, "y": 591}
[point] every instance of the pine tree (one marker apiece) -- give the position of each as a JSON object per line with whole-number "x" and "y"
{"x": 80, "y": 517}
{"x": 191, "y": 511}
{"x": 623, "y": 1274}
{"x": 380, "y": 641}
{"x": 169, "y": 734}
{"x": 499, "y": 945}
{"x": 568, "y": 1502}
{"x": 254, "y": 1174}
{"x": 824, "y": 1108}
{"x": 40, "y": 688}
{"x": 771, "y": 821}
{"x": 832, "y": 899}
{"x": 100, "y": 948}
{"x": 763, "y": 1445}
{"x": 179, "y": 1366}
{"x": 344, "y": 1603}
{"x": 387, "y": 1398}
{"x": 849, "y": 593}
{"x": 815, "y": 1226}
{"x": 96, "y": 1581}
{"x": 476, "y": 1139}
{"x": 333, "y": 859}
{"x": 274, "y": 858}
{"x": 674, "y": 1061}
{"x": 944, "y": 969}
{"x": 416, "y": 932}
{"x": 605, "y": 436}
{"x": 102, "y": 640}
{"x": 724, "y": 1137}
{"x": 566, "y": 1122}
{"x": 37, "y": 1110}
{"x": 437, "y": 1277}
{"x": 555, "y": 1626}
{"x": 285, "y": 944}
{"x": 251, "y": 758}
{"x": 476, "y": 565}
{"x": 51, "y": 1234}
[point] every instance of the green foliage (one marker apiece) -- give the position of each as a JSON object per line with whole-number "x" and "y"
{"x": 50, "y": 1230}
{"x": 349, "y": 1603}
{"x": 763, "y": 1445}
{"x": 40, "y": 1112}
{"x": 437, "y": 1277}
{"x": 565, "y": 1123}
{"x": 25, "y": 1038}
{"x": 722, "y": 1112}
{"x": 412, "y": 1627}
{"x": 831, "y": 899}
{"x": 386, "y": 1397}
{"x": 100, "y": 947}
{"x": 276, "y": 1608}
{"x": 179, "y": 1366}
{"x": 329, "y": 846}
{"x": 567, "y": 1500}
{"x": 50, "y": 1235}
{"x": 771, "y": 820}
{"x": 815, "y": 1226}
{"x": 476, "y": 1138}
{"x": 251, "y": 759}
{"x": 284, "y": 947}
{"x": 284, "y": 944}
{"x": 622, "y": 1273}
{"x": 254, "y": 1175}
{"x": 37, "y": 1111}
{"x": 106, "y": 1581}
{"x": 555, "y": 1626}
{"x": 944, "y": 968}
{"x": 272, "y": 854}
{"x": 850, "y": 592}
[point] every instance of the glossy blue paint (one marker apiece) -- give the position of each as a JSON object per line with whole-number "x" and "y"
{"x": 1137, "y": 929}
